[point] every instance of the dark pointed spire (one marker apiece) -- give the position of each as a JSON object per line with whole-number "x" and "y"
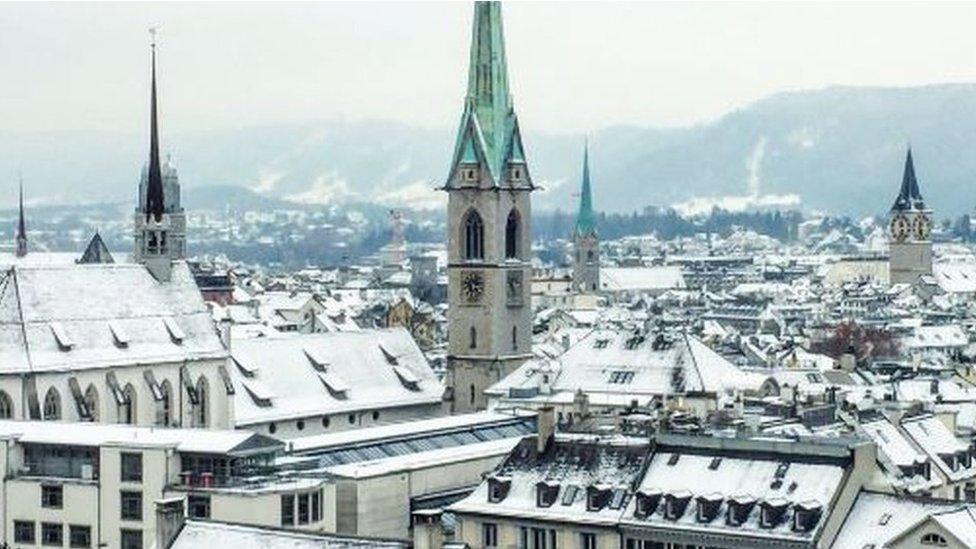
{"x": 154, "y": 189}
{"x": 21, "y": 225}
{"x": 585, "y": 221}
{"x": 909, "y": 196}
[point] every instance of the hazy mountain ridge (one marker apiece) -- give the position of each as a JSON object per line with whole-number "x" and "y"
{"x": 839, "y": 149}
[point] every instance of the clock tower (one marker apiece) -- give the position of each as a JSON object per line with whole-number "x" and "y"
{"x": 909, "y": 231}
{"x": 489, "y": 227}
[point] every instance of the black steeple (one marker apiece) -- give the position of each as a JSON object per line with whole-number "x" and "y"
{"x": 21, "y": 236}
{"x": 154, "y": 189}
{"x": 909, "y": 197}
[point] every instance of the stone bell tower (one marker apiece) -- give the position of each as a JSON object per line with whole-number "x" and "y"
{"x": 489, "y": 227}
{"x": 159, "y": 222}
{"x": 909, "y": 231}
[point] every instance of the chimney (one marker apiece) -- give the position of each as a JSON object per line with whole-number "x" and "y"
{"x": 427, "y": 531}
{"x": 169, "y": 521}
{"x": 546, "y": 425}
{"x": 848, "y": 361}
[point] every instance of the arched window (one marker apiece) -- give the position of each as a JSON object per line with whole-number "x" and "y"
{"x": 127, "y": 410}
{"x": 6, "y": 406}
{"x": 202, "y": 410}
{"x": 514, "y": 338}
{"x": 512, "y": 230}
{"x": 472, "y": 338}
{"x": 935, "y": 540}
{"x": 472, "y": 394}
{"x": 52, "y": 405}
{"x": 589, "y": 255}
{"x": 91, "y": 402}
{"x": 164, "y": 406}
{"x": 474, "y": 236}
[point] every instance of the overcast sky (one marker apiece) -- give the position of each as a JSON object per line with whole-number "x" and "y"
{"x": 574, "y": 66}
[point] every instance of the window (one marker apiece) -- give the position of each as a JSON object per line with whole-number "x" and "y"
{"x": 472, "y": 393}
{"x": 587, "y": 540}
{"x": 489, "y": 534}
{"x": 6, "y": 406}
{"x": 52, "y": 534}
{"x": 52, "y": 405}
{"x": 325, "y": 421}
{"x": 514, "y": 338}
{"x": 474, "y": 236}
{"x": 316, "y": 506}
{"x": 376, "y": 415}
{"x": 79, "y": 536}
{"x": 127, "y": 410}
{"x": 24, "y": 531}
{"x": 300, "y": 425}
{"x": 91, "y": 402}
{"x": 131, "y": 505}
{"x": 52, "y": 497}
{"x": 288, "y": 510}
{"x": 131, "y": 539}
{"x": 164, "y": 406}
{"x": 934, "y": 539}
{"x": 621, "y": 377}
{"x": 198, "y": 506}
{"x": 131, "y": 467}
{"x": 200, "y": 411}
{"x": 472, "y": 338}
{"x": 352, "y": 419}
{"x": 303, "y": 508}
{"x": 512, "y": 235}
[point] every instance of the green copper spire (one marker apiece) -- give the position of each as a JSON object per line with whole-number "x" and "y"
{"x": 586, "y": 221}
{"x": 489, "y": 128}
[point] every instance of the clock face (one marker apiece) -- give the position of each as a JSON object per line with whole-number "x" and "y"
{"x": 922, "y": 227}
{"x": 900, "y": 227}
{"x": 472, "y": 286}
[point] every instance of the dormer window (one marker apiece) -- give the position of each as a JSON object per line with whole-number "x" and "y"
{"x": 515, "y": 173}
{"x": 498, "y": 488}
{"x": 469, "y": 174}
{"x": 646, "y": 503}
{"x": 546, "y": 492}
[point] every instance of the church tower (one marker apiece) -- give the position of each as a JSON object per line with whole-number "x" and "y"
{"x": 489, "y": 227}
{"x": 586, "y": 245}
{"x": 160, "y": 223}
{"x": 909, "y": 230}
{"x": 21, "y": 236}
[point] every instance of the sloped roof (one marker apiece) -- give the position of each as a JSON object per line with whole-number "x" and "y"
{"x": 80, "y": 301}
{"x": 96, "y": 251}
{"x": 195, "y": 534}
{"x": 321, "y": 374}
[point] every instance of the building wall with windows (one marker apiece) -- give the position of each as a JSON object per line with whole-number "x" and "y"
{"x": 67, "y": 483}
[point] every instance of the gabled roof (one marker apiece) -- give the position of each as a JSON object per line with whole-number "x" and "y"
{"x": 41, "y": 304}
{"x": 96, "y": 251}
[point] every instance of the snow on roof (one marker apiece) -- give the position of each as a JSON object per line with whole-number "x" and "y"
{"x": 361, "y": 362}
{"x": 616, "y": 279}
{"x": 875, "y": 519}
{"x": 81, "y": 301}
{"x": 932, "y": 436}
{"x": 955, "y": 277}
{"x": 949, "y": 335}
{"x": 961, "y": 522}
{"x": 789, "y": 479}
{"x": 195, "y": 534}
{"x": 100, "y": 434}
{"x": 893, "y": 444}
{"x": 622, "y": 365}
{"x": 425, "y": 460}
{"x": 571, "y": 466}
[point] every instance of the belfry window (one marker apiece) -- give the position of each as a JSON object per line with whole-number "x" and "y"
{"x": 512, "y": 235}
{"x": 472, "y": 338}
{"x": 474, "y": 236}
